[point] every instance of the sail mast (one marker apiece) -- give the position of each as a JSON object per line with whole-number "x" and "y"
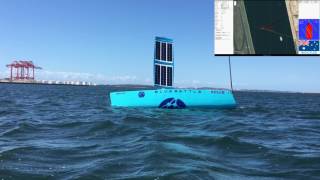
{"x": 230, "y": 74}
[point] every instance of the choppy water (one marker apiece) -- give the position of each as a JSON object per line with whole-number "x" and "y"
{"x": 61, "y": 132}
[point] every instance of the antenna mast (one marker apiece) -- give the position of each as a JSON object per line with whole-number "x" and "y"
{"x": 230, "y": 73}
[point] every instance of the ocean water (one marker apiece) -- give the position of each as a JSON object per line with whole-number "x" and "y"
{"x": 65, "y": 132}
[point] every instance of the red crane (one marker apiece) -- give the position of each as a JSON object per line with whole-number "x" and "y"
{"x": 22, "y": 70}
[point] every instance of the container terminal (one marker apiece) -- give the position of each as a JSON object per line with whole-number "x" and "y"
{"x": 23, "y": 72}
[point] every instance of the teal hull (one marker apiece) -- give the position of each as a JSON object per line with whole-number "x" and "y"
{"x": 173, "y": 98}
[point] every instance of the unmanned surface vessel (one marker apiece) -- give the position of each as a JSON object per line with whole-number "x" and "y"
{"x": 166, "y": 96}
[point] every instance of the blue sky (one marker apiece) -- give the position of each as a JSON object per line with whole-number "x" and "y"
{"x": 111, "y": 41}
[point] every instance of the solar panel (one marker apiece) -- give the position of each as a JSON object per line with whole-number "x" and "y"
{"x": 163, "y": 62}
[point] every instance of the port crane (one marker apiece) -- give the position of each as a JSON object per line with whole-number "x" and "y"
{"x": 22, "y": 70}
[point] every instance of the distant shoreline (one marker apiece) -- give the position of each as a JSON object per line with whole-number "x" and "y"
{"x": 138, "y": 86}
{"x": 39, "y": 83}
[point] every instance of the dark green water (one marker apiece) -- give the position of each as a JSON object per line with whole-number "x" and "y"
{"x": 270, "y": 27}
{"x": 61, "y": 132}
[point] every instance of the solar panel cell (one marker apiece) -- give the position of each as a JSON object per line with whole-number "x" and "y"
{"x": 157, "y": 75}
{"x": 163, "y": 75}
{"x": 164, "y": 51}
{"x": 170, "y": 52}
{"x": 157, "y": 50}
{"x": 169, "y": 76}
